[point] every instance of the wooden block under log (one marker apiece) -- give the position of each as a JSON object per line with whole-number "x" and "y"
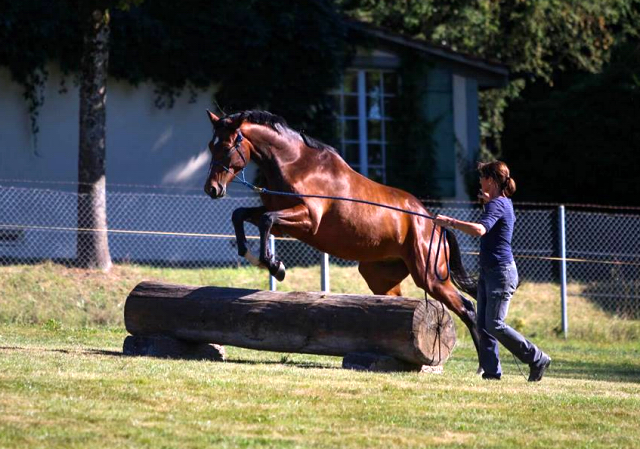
{"x": 367, "y": 361}
{"x": 172, "y": 348}
{"x": 411, "y": 330}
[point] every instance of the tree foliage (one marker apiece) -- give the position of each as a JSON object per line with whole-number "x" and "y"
{"x": 579, "y": 142}
{"x": 537, "y": 38}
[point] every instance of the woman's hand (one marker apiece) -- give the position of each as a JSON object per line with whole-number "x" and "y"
{"x": 444, "y": 221}
{"x": 483, "y": 197}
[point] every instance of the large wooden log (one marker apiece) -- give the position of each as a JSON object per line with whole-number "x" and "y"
{"x": 411, "y": 330}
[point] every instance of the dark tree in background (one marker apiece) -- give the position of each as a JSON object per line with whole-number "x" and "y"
{"x": 279, "y": 55}
{"x": 579, "y": 142}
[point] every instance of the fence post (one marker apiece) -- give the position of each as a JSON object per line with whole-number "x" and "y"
{"x": 272, "y": 248}
{"x": 324, "y": 272}
{"x": 563, "y": 270}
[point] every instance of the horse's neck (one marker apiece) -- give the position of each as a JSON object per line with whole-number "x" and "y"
{"x": 273, "y": 153}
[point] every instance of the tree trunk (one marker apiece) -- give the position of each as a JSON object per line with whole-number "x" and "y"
{"x": 92, "y": 240}
{"x": 407, "y": 329}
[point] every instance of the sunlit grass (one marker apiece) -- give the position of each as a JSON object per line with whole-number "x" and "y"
{"x": 52, "y": 293}
{"x": 64, "y": 382}
{"x": 72, "y": 388}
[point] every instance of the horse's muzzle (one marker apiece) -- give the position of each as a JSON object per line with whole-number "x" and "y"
{"x": 215, "y": 192}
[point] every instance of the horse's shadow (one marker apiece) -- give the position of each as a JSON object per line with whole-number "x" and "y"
{"x": 565, "y": 369}
{"x": 232, "y": 360}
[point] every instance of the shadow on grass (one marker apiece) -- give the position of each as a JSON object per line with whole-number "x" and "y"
{"x": 240, "y": 361}
{"x": 610, "y": 372}
{"x": 88, "y": 351}
{"x": 297, "y": 364}
{"x": 560, "y": 368}
{"x": 618, "y": 295}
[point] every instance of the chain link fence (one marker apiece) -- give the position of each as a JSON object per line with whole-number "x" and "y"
{"x": 193, "y": 231}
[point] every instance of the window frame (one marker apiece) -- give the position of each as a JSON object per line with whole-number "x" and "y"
{"x": 363, "y": 142}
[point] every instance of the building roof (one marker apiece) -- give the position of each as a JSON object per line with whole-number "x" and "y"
{"x": 490, "y": 73}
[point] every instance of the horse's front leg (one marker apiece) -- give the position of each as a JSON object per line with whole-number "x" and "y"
{"x": 296, "y": 217}
{"x": 251, "y": 214}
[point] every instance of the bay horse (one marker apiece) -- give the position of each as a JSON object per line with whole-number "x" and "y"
{"x": 388, "y": 244}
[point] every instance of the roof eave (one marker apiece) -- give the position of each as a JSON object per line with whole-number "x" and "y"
{"x": 495, "y": 69}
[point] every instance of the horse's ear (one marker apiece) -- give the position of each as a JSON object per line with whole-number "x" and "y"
{"x": 214, "y": 118}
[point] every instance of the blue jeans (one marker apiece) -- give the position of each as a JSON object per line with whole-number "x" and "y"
{"x": 496, "y": 286}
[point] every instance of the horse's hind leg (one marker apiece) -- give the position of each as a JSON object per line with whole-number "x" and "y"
{"x": 384, "y": 277}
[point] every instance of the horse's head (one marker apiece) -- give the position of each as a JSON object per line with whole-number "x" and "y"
{"x": 229, "y": 154}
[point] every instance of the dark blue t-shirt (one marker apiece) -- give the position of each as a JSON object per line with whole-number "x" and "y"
{"x": 498, "y": 219}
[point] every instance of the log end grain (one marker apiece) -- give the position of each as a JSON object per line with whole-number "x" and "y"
{"x": 434, "y": 333}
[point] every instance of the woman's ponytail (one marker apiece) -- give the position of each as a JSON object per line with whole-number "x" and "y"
{"x": 509, "y": 187}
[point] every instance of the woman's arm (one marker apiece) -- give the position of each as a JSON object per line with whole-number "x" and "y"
{"x": 474, "y": 229}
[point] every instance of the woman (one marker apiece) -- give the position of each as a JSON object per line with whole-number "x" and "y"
{"x": 498, "y": 274}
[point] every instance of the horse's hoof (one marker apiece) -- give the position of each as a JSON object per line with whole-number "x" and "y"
{"x": 279, "y": 272}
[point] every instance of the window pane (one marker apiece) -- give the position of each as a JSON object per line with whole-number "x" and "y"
{"x": 390, "y": 83}
{"x": 374, "y": 107}
{"x": 374, "y": 154}
{"x": 377, "y": 174}
{"x": 373, "y": 82}
{"x": 352, "y": 153}
{"x": 334, "y": 104}
{"x": 351, "y": 82}
{"x": 351, "y": 130}
{"x": 351, "y": 105}
{"x": 374, "y": 130}
{"x": 390, "y": 107}
{"x": 391, "y": 150}
{"x": 335, "y": 138}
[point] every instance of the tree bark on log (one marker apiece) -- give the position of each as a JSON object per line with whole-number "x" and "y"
{"x": 408, "y": 329}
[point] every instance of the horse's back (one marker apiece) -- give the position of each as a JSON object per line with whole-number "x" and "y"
{"x": 352, "y": 229}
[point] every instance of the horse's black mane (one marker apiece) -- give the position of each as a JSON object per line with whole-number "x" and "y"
{"x": 260, "y": 118}
{"x": 315, "y": 143}
{"x": 274, "y": 122}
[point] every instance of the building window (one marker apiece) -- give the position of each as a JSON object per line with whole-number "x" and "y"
{"x": 364, "y": 106}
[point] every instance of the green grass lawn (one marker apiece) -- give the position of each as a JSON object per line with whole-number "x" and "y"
{"x": 64, "y": 382}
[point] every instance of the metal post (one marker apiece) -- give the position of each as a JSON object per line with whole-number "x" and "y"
{"x": 272, "y": 248}
{"x": 363, "y": 158}
{"x": 324, "y": 273}
{"x": 563, "y": 271}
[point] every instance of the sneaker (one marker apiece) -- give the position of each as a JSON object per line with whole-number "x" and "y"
{"x": 537, "y": 369}
{"x": 486, "y": 376}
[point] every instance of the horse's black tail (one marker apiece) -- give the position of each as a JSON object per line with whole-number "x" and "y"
{"x": 459, "y": 276}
